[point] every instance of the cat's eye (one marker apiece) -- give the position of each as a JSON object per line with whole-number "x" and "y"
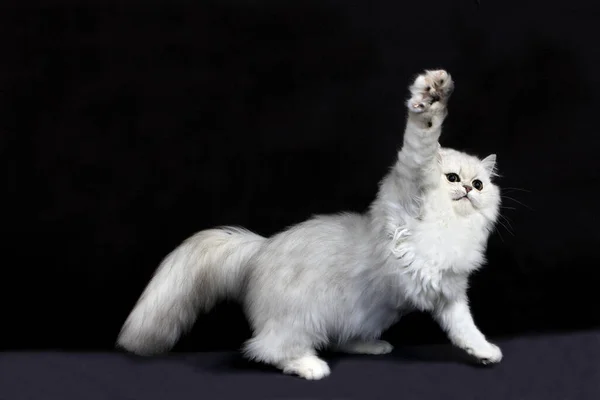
{"x": 452, "y": 177}
{"x": 477, "y": 184}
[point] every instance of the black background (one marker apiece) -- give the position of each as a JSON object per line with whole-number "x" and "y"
{"x": 126, "y": 128}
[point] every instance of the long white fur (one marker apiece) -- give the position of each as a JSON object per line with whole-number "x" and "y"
{"x": 341, "y": 280}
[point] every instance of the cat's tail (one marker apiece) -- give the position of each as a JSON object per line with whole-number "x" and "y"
{"x": 205, "y": 268}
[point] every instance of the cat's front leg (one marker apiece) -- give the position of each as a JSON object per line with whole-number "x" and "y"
{"x": 456, "y": 319}
{"x": 430, "y": 93}
{"x": 427, "y": 108}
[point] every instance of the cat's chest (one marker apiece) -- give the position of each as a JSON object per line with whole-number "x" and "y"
{"x": 433, "y": 261}
{"x": 440, "y": 244}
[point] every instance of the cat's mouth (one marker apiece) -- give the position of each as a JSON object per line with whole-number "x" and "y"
{"x": 465, "y": 197}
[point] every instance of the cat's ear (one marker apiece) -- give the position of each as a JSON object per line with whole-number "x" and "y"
{"x": 489, "y": 163}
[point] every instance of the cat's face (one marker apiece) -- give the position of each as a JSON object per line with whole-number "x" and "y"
{"x": 468, "y": 181}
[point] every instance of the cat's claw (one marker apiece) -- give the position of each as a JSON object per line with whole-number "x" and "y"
{"x": 430, "y": 92}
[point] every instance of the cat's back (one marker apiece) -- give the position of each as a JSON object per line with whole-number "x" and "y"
{"x": 340, "y": 231}
{"x": 325, "y": 247}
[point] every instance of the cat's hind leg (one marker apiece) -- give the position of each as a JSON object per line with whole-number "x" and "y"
{"x": 308, "y": 367}
{"x": 374, "y": 347}
{"x": 291, "y": 351}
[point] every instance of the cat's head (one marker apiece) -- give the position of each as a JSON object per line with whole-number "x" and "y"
{"x": 468, "y": 182}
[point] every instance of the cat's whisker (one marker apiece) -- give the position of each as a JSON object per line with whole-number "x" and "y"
{"x": 499, "y": 234}
{"x": 507, "y": 221}
{"x": 518, "y": 189}
{"x": 517, "y": 201}
{"x": 505, "y": 227}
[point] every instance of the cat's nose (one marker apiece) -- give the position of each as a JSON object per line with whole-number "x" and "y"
{"x": 467, "y": 188}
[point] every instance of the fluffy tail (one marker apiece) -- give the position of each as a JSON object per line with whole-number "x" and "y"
{"x": 205, "y": 268}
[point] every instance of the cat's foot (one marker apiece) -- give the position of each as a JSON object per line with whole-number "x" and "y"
{"x": 307, "y": 367}
{"x": 430, "y": 93}
{"x": 486, "y": 354}
{"x": 375, "y": 347}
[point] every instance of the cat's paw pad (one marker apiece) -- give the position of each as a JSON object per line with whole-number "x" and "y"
{"x": 374, "y": 347}
{"x": 430, "y": 91}
{"x": 309, "y": 367}
{"x": 490, "y": 354}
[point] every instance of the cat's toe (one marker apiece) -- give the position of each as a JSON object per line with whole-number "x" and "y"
{"x": 379, "y": 347}
{"x": 309, "y": 367}
{"x": 441, "y": 83}
{"x": 490, "y": 355}
{"x": 418, "y": 105}
{"x": 429, "y": 88}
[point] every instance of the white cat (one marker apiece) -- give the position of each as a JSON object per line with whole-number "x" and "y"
{"x": 339, "y": 281}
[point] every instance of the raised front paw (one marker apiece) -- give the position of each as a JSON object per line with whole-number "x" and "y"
{"x": 430, "y": 92}
{"x": 486, "y": 354}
